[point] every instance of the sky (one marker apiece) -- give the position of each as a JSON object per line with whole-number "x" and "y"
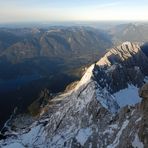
{"x": 72, "y": 10}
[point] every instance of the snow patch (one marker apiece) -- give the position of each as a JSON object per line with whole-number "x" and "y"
{"x": 146, "y": 79}
{"x": 107, "y": 100}
{"x": 90, "y": 145}
{"x": 117, "y": 140}
{"x": 14, "y": 145}
{"x": 83, "y": 135}
{"x": 57, "y": 140}
{"x": 114, "y": 126}
{"x": 110, "y": 130}
{"x": 139, "y": 119}
{"x": 137, "y": 143}
{"x": 127, "y": 96}
{"x": 32, "y": 135}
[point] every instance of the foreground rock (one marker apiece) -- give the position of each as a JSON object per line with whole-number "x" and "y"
{"x": 143, "y": 133}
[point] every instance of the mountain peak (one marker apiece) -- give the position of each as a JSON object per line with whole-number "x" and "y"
{"x": 126, "y": 43}
{"x": 119, "y": 54}
{"x": 87, "y": 76}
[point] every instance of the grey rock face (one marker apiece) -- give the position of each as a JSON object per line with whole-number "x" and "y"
{"x": 143, "y": 133}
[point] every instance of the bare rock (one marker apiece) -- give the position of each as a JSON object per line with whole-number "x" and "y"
{"x": 143, "y": 132}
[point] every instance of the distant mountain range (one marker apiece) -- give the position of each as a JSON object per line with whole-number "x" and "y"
{"x": 129, "y": 32}
{"x": 20, "y": 44}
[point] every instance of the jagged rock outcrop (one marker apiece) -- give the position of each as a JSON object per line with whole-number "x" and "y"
{"x": 122, "y": 64}
{"x": 96, "y": 113}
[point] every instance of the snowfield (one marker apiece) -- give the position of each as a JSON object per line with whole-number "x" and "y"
{"x": 127, "y": 96}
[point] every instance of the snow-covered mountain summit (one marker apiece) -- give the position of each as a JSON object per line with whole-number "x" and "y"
{"x": 101, "y": 111}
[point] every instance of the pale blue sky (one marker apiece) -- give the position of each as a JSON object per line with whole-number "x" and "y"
{"x": 72, "y": 10}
